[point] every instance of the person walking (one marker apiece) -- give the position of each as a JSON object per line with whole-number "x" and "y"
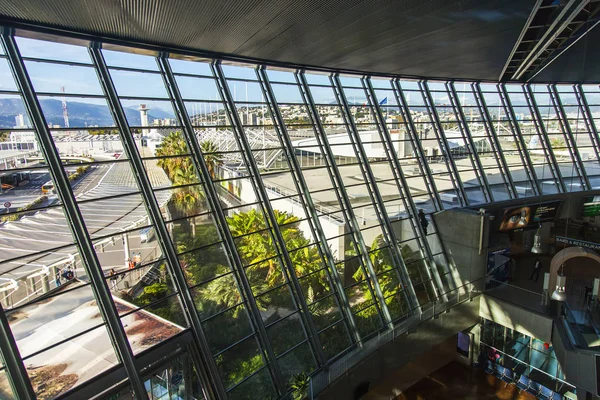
{"x": 536, "y": 270}
{"x": 423, "y": 221}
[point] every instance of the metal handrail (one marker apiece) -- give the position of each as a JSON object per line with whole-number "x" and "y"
{"x": 325, "y": 376}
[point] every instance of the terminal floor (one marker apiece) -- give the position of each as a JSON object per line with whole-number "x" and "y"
{"x": 457, "y": 381}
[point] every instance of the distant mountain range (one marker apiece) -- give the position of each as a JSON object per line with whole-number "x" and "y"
{"x": 86, "y": 114}
{"x": 80, "y": 114}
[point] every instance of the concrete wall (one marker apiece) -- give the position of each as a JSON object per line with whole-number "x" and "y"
{"x": 517, "y": 318}
{"x": 578, "y": 366}
{"x": 381, "y": 368}
{"x": 459, "y": 230}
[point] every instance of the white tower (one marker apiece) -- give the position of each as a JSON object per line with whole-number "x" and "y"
{"x": 20, "y": 121}
{"x": 64, "y": 108}
{"x": 144, "y": 117}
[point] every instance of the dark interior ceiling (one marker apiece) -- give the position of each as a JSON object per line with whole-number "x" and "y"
{"x": 460, "y": 39}
{"x": 581, "y": 62}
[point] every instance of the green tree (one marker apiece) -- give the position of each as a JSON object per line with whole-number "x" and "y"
{"x": 212, "y": 159}
{"x": 257, "y": 250}
{"x": 172, "y": 145}
{"x": 188, "y": 197}
{"x": 388, "y": 278}
{"x": 557, "y": 143}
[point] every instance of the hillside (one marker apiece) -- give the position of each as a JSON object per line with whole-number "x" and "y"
{"x": 80, "y": 114}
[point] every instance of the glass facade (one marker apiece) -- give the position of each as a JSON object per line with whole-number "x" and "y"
{"x": 271, "y": 217}
{"x": 522, "y": 354}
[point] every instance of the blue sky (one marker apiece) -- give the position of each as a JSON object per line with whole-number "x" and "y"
{"x": 49, "y": 78}
{"x": 82, "y": 80}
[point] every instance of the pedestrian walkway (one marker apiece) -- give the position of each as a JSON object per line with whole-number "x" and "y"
{"x": 47, "y": 234}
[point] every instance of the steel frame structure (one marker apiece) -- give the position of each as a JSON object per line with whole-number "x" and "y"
{"x": 401, "y": 183}
{"x": 518, "y": 138}
{"x": 133, "y": 366}
{"x": 374, "y": 194}
{"x": 444, "y": 144}
{"x": 569, "y": 138}
{"x": 492, "y": 138}
{"x": 307, "y": 201}
{"x": 543, "y": 138}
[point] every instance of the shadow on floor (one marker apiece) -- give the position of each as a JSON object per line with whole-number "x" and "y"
{"x": 457, "y": 381}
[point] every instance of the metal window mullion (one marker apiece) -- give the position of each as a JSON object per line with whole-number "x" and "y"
{"x": 466, "y": 134}
{"x": 153, "y": 210}
{"x": 401, "y": 184}
{"x": 543, "y": 136}
{"x": 493, "y": 138}
{"x": 569, "y": 137}
{"x": 416, "y": 144}
{"x": 277, "y": 236}
{"x": 11, "y": 358}
{"x": 280, "y": 129}
{"x": 73, "y": 215}
{"x": 589, "y": 119}
{"x": 335, "y": 177}
{"x": 242, "y": 283}
{"x": 518, "y": 137}
{"x": 308, "y": 204}
{"x": 375, "y": 195}
{"x": 374, "y": 288}
{"x": 443, "y": 142}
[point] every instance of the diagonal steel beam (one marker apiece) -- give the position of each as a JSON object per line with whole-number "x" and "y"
{"x": 302, "y": 188}
{"x": 11, "y": 358}
{"x": 154, "y": 213}
{"x": 289, "y": 270}
{"x": 74, "y": 217}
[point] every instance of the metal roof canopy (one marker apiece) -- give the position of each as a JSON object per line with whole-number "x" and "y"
{"x": 466, "y": 39}
{"x": 436, "y": 39}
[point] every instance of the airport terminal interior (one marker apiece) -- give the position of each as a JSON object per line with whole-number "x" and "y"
{"x": 248, "y": 199}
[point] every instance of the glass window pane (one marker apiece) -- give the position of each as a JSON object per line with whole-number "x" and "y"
{"x": 61, "y": 368}
{"x": 5, "y": 388}
{"x": 52, "y": 50}
{"x": 239, "y": 362}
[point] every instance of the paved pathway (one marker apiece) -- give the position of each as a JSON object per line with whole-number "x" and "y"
{"x": 44, "y": 239}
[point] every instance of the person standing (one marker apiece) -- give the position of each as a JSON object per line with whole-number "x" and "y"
{"x": 536, "y": 270}
{"x": 423, "y": 221}
{"x": 113, "y": 278}
{"x": 57, "y": 278}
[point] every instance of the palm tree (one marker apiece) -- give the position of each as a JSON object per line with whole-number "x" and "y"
{"x": 172, "y": 145}
{"x": 212, "y": 159}
{"x": 557, "y": 143}
{"x": 189, "y": 199}
{"x": 258, "y": 250}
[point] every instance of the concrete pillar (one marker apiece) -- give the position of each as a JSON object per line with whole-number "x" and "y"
{"x": 6, "y": 299}
{"x": 53, "y": 272}
{"x": 126, "y": 249}
{"x": 45, "y": 284}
